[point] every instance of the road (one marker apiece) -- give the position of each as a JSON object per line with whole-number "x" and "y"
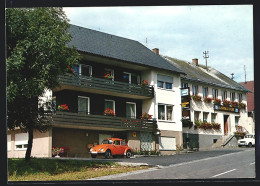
{"x": 198, "y": 165}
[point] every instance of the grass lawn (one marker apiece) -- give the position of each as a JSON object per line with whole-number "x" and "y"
{"x": 40, "y": 169}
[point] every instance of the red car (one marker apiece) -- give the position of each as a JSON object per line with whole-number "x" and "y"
{"x": 111, "y": 147}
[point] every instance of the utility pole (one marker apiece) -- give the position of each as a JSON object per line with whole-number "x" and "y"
{"x": 205, "y": 57}
{"x": 245, "y": 72}
{"x": 232, "y": 76}
{"x": 146, "y": 41}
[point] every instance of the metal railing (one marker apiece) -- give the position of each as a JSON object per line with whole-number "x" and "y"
{"x": 106, "y": 85}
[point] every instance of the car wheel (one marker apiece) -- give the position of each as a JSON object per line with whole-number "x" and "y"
{"x": 128, "y": 154}
{"x": 249, "y": 144}
{"x": 93, "y": 155}
{"x": 108, "y": 154}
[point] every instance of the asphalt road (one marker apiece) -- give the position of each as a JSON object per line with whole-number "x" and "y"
{"x": 214, "y": 164}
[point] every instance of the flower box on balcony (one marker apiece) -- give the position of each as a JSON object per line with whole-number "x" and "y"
{"x": 242, "y": 105}
{"x": 226, "y": 103}
{"x": 109, "y": 112}
{"x": 196, "y": 98}
{"x": 207, "y": 100}
{"x": 144, "y": 83}
{"x": 146, "y": 116}
{"x": 234, "y": 104}
{"x": 216, "y": 101}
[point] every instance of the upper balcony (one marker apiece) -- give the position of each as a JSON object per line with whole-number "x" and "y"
{"x": 105, "y": 86}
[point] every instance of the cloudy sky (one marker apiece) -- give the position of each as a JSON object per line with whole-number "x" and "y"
{"x": 183, "y": 32}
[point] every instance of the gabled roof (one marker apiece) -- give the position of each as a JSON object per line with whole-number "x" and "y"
{"x": 201, "y": 75}
{"x": 107, "y": 45}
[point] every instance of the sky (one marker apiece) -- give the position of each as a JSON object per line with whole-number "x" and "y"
{"x": 182, "y": 32}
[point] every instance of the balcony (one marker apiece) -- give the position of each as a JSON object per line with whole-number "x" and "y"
{"x": 105, "y": 86}
{"x": 100, "y": 122}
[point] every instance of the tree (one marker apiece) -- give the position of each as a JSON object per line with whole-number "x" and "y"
{"x": 37, "y": 53}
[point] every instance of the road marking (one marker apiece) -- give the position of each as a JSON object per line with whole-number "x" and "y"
{"x": 223, "y": 173}
{"x": 252, "y": 163}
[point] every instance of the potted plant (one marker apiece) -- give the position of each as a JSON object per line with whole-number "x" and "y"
{"x": 144, "y": 83}
{"x": 234, "y": 104}
{"x": 63, "y": 107}
{"x": 216, "y": 101}
{"x": 108, "y": 76}
{"x": 109, "y": 112}
{"x": 207, "y": 100}
{"x": 56, "y": 151}
{"x": 198, "y": 124}
{"x": 146, "y": 116}
{"x": 196, "y": 98}
{"x": 216, "y": 126}
{"x": 242, "y": 105}
{"x": 239, "y": 134}
{"x": 226, "y": 103}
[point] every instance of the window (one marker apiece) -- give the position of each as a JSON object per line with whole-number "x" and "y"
{"x": 240, "y": 98}
{"x": 205, "y": 116}
{"x": 84, "y": 70}
{"x": 165, "y": 112}
{"x": 130, "y": 110}
{"x": 224, "y": 94}
{"x": 109, "y": 104}
{"x": 131, "y": 78}
{"x": 213, "y": 118}
{"x": 196, "y": 115}
{"x": 195, "y": 90}
{"x": 123, "y": 143}
{"x": 21, "y": 141}
{"x": 214, "y": 93}
{"x": 116, "y": 142}
{"x": 205, "y": 92}
{"x": 232, "y": 96}
{"x": 237, "y": 120}
{"x": 184, "y": 85}
{"x": 9, "y": 142}
{"x": 83, "y": 105}
{"x": 164, "y": 81}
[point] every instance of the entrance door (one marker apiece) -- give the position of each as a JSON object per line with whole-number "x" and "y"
{"x": 226, "y": 124}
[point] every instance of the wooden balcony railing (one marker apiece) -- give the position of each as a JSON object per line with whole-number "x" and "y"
{"x": 107, "y": 85}
{"x": 100, "y": 121}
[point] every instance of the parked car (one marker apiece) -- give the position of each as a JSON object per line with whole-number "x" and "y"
{"x": 248, "y": 140}
{"x": 111, "y": 147}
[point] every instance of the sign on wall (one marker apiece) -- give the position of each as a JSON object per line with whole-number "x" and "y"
{"x": 185, "y": 92}
{"x": 227, "y": 109}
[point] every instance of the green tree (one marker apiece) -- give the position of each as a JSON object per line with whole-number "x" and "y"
{"x": 37, "y": 52}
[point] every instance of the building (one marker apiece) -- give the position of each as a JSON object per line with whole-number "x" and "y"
{"x": 214, "y": 106}
{"x": 250, "y": 104}
{"x": 117, "y": 81}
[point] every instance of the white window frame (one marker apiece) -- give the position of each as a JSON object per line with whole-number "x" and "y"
{"x": 238, "y": 120}
{"x": 232, "y": 96}
{"x": 88, "y": 103}
{"x": 195, "y": 90}
{"x": 129, "y": 77}
{"x": 216, "y": 118}
{"x": 165, "y": 112}
{"x": 80, "y": 69}
{"x": 9, "y": 142}
{"x": 214, "y": 93}
{"x": 224, "y": 94}
{"x": 197, "y": 112}
{"x": 164, "y": 82}
{"x": 23, "y": 140}
{"x": 205, "y": 91}
{"x": 240, "y": 97}
{"x": 114, "y": 104}
{"x": 133, "y": 103}
{"x": 207, "y": 119}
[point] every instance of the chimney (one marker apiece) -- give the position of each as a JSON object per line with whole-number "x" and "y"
{"x": 156, "y": 51}
{"x": 195, "y": 61}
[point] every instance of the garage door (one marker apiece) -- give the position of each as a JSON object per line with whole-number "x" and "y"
{"x": 167, "y": 143}
{"x": 103, "y": 136}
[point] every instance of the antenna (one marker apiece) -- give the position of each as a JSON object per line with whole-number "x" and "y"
{"x": 245, "y": 72}
{"x": 205, "y": 57}
{"x": 146, "y": 41}
{"x": 232, "y": 76}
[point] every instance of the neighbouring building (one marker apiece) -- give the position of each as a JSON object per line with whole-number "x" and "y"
{"x": 117, "y": 81}
{"x": 250, "y": 104}
{"x": 213, "y": 106}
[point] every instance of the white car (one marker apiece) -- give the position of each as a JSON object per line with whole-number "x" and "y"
{"x": 248, "y": 140}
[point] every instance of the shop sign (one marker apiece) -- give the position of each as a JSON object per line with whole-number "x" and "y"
{"x": 185, "y": 91}
{"x": 227, "y": 109}
{"x": 185, "y": 104}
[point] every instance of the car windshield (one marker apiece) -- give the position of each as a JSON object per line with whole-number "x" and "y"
{"x": 106, "y": 141}
{"x": 248, "y": 136}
